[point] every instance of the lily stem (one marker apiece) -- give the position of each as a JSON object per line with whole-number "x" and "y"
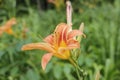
{"x": 75, "y": 64}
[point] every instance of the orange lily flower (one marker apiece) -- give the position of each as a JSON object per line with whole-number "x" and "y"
{"x": 7, "y": 27}
{"x": 57, "y": 44}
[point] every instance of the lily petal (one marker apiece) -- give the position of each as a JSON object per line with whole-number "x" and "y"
{"x": 9, "y": 31}
{"x": 45, "y": 59}
{"x": 60, "y": 27}
{"x": 43, "y": 46}
{"x": 61, "y": 31}
{"x": 49, "y": 39}
{"x": 64, "y": 52}
{"x": 11, "y": 22}
{"x": 74, "y": 33}
{"x": 73, "y": 44}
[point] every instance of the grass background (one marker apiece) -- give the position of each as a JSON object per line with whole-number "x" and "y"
{"x": 100, "y": 50}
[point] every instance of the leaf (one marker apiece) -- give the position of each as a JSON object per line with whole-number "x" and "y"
{"x": 14, "y": 71}
{"x": 1, "y": 54}
{"x": 23, "y": 77}
{"x": 57, "y": 71}
{"x": 67, "y": 71}
{"x": 32, "y": 75}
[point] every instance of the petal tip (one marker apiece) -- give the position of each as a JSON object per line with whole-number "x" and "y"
{"x": 23, "y": 48}
{"x": 45, "y": 59}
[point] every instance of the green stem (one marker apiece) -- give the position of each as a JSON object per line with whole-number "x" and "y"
{"x": 75, "y": 64}
{"x": 77, "y": 71}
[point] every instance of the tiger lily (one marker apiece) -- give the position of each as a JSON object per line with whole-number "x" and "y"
{"x": 57, "y": 44}
{"x": 7, "y": 27}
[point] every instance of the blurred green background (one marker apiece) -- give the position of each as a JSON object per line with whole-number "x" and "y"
{"x": 100, "y": 50}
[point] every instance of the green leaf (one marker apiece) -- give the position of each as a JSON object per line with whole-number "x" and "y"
{"x": 14, "y": 71}
{"x": 32, "y": 75}
{"x": 57, "y": 71}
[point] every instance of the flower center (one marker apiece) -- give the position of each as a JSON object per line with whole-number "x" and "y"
{"x": 63, "y": 51}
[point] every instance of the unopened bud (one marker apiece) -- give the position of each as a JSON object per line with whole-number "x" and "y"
{"x": 81, "y": 28}
{"x": 69, "y": 13}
